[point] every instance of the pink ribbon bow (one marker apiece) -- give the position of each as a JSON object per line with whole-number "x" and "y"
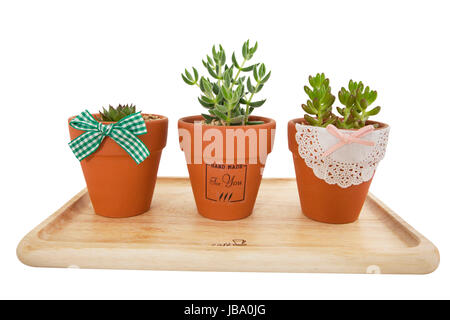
{"x": 344, "y": 138}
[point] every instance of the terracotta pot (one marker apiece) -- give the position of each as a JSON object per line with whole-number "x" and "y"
{"x": 225, "y": 183}
{"x": 117, "y": 186}
{"x": 319, "y": 200}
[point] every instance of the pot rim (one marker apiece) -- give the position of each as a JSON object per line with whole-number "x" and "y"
{"x": 268, "y": 122}
{"x": 382, "y": 125}
{"x": 161, "y": 118}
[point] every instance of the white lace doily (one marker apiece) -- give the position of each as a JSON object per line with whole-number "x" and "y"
{"x": 352, "y": 164}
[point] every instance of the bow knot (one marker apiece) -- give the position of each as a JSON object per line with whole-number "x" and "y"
{"x": 105, "y": 129}
{"x": 346, "y": 139}
{"x": 350, "y": 138}
{"x": 124, "y": 133}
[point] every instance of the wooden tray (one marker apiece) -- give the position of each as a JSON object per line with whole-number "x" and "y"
{"x": 275, "y": 238}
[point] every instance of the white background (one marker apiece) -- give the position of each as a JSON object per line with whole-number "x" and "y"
{"x": 60, "y": 57}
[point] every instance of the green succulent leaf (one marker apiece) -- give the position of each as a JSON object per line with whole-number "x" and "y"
{"x": 219, "y": 114}
{"x": 206, "y": 86}
{"x": 308, "y": 109}
{"x": 185, "y": 79}
{"x": 250, "y": 87}
{"x": 250, "y": 68}
{"x": 262, "y": 71}
{"x": 312, "y": 121}
{"x": 235, "y": 63}
{"x": 205, "y": 104}
{"x": 256, "y": 104}
{"x": 208, "y": 118}
{"x": 264, "y": 80}
{"x": 259, "y": 87}
{"x": 245, "y": 49}
{"x": 255, "y": 122}
{"x": 374, "y": 111}
{"x": 237, "y": 119}
{"x": 188, "y": 75}
{"x": 212, "y": 72}
{"x": 255, "y": 73}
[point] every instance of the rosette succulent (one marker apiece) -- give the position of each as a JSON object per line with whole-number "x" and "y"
{"x": 114, "y": 114}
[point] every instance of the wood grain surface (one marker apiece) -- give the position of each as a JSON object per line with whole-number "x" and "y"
{"x": 275, "y": 238}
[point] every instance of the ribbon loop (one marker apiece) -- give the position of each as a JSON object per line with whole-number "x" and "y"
{"x": 345, "y": 138}
{"x": 124, "y": 133}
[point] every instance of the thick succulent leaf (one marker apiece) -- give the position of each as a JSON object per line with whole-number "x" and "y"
{"x": 205, "y": 104}
{"x": 219, "y": 114}
{"x": 250, "y": 87}
{"x": 374, "y": 111}
{"x": 312, "y": 121}
{"x": 363, "y": 103}
{"x": 235, "y": 63}
{"x": 253, "y": 123}
{"x": 307, "y": 109}
{"x": 207, "y": 117}
{"x": 264, "y": 80}
{"x": 261, "y": 71}
{"x": 250, "y": 68}
{"x": 245, "y": 49}
{"x": 237, "y": 119}
{"x": 221, "y": 108}
{"x": 259, "y": 88}
{"x": 257, "y": 104}
{"x": 188, "y": 75}
{"x": 255, "y": 73}
{"x": 211, "y": 72}
{"x": 189, "y": 82}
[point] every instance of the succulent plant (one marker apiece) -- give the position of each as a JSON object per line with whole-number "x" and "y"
{"x": 113, "y": 114}
{"x": 320, "y": 102}
{"x": 356, "y": 100}
{"x": 228, "y": 97}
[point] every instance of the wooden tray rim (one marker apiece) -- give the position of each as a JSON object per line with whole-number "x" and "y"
{"x": 33, "y": 242}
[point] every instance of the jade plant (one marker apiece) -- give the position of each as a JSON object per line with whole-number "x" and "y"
{"x": 355, "y": 99}
{"x": 228, "y": 94}
{"x": 319, "y": 106}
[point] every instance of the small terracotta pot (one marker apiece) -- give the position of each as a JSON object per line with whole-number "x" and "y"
{"x": 225, "y": 186}
{"x": 117, "y": 186}
{"x": 319, "y": 200}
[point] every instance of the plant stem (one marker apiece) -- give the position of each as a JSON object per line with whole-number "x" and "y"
{"x": 364, "y": 118}
{"x": 229, "y": 115}
{"x": 239, "y": 71}
{"x": 250, "y": 100}
{"x": 240, "y": 68}
{"x": 219, "y": 74}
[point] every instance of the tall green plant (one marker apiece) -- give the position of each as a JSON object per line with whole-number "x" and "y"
{"x": 229, "y": 91}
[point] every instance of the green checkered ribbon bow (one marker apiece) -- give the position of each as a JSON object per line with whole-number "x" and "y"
{"x": 123, "y": 132}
